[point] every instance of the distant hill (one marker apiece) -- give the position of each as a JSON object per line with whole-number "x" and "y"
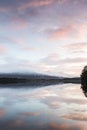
{"x": 34, "y": 79}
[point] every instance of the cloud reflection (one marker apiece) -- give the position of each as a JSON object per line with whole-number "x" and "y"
{"x": 53, "y": 107}
{"x": 2, "y": 113}
{"x": 67, "y": 126}
{"x": 76, "y": 116}
{"x": 17, "y": 123}
{"x": 29, "y": 114}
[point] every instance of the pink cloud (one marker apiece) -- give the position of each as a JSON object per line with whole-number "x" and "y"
{"x": 76, "y": 50}
{"x": 3, "y": 49}
{"x": 30, "y": 49}
{"x": 73, "y": 31}
{"x": 3, "y": 10}
{"x": 36, "y": 3}
{"x": 76, "y": 116}
{"x": 18, "y": 23}
{"x": 61, "y": 33}
{"x": 75, "y": 46}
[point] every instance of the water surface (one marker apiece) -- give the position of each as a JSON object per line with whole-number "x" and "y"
{"x": 56, "y": 107}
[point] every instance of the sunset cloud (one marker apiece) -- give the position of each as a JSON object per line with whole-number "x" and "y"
{"x": 61, "y": 33}
{"x": 75, "y": 46}
{"x": 73, "y": 31}
{"x": 36, "y": 3}
{"x": 3, "y": 10}
{"x": 76, "y": 116}
{"x": 3, "y": 49}
{"x": 56, "y": 63}
{"x": 46, "y": 36}
{"x": 19, "y": 24}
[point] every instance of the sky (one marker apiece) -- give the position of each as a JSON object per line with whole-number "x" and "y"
{"x": 43, "y": 36}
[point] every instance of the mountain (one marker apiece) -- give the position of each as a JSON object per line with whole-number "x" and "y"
{"x": 34, "y": 79}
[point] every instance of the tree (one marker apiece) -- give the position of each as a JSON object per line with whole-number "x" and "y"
{"x": 84, "y": 80}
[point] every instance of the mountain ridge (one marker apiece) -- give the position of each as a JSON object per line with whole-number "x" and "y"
{"x": 35, "y": 79}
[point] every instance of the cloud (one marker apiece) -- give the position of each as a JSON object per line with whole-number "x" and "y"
{"x": 70, "y": 31}
{"x": 76, "y": 51}
{"x": 60, "y": 116}
{"x": 2, "y": 113}
{"x": 61, "y": 67}
{"x": 51, "y": 59}
{"x": 56, "y": 60}
{"x": 55, "y": 102}
{"x": 37, "y": 12}
{"x": 19, "y": 5}
{"x": 50, "y": 99}
{"x": 70, "y": 59}
{"x": 76, "y": 116}
{"x": 36, "y": 3}
{"x": 3, "y": 49}
{"x": 74, "y": 60}
{"x": 64, "y": 126}
{"x": 18, "y": 123}
{"x": 62, "y": 20}
{"x": 15, "y": 124}
{"x": 56, "y": 64}
{"x": 30, "y": 114}
{"x": 19, "y": 23}
{"x": 3, "y": 10}
{"x": 11, "y": 64}
{"x": 7, "y": 40}
{"x": 24, "y": 8}
{"x": 81, "y": 46}
{"x": 61, "y": 33}
{"x": 30, "y": 49}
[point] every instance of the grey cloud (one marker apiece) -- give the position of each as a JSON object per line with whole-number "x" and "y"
{"x": 76, "y": 116}
{"x": 4, "y": 39}
{"x": 55, "y": 9}
{"x": 51, "y": 59}
{"x": 75, "y": 46}
{"x": 56, "y": 60}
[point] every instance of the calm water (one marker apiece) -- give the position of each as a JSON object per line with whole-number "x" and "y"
{"x": 58, "y": 107}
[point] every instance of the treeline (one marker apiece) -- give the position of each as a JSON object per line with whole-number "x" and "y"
{"x": 37, "y": 81}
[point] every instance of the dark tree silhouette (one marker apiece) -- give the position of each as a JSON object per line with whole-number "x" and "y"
{"x": 84, "y": 80}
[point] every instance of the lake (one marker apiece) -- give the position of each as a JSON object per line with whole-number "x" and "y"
{"x": 55, "y": 107}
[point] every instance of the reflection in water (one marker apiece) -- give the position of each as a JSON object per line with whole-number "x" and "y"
{"x": 59, "y": 107}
